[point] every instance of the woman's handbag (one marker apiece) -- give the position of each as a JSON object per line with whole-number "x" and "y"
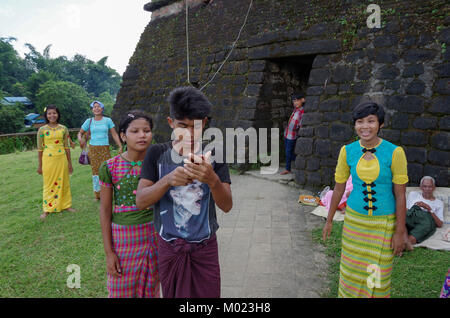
{"x": 84, "y": 158}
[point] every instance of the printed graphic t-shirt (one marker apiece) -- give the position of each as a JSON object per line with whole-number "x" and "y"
{"x": 99, "y": 130}
{"x": 186, "y": 212}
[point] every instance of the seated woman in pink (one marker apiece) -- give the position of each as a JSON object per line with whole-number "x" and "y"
{"x": 326, "y": 200}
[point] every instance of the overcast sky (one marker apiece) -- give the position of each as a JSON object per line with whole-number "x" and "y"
{"x": 93, "y": 28}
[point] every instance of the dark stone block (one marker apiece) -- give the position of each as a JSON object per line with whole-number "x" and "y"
{"x": 442, "y": 86}
{"x": 353, "y": 57}
{"x": 312, "y": 164}
{"x": 390, "y": 135}
{"x": 311, "y": 103}
{"x": 257, "y": 66}
{"x": 440, "y": 105}
{"x": 300, "y": 177}
{"x": 415, "y": 172}
{"x": 425, "y": 123}
{"x": 360, "y": 87}
{"x": 364, "y": 73}
{"x": 327, "y": 176}
{"x": 331, "y": 89}
{"x": 443, "y": 70}
{"x": 330, "y": 105}
{"x": 313, "y": 179}
{"x": 250, "y": 102}
{"x": 444, "y": 123}
{"x": 406, "y": 104}
{"x": 331, "y": 116}
{"x": 444, "y": 36}
{"x": 321, "y": 131}
{"x": 441, "y": 140}
{"x": 321, "y": 61}
{"x": 409, "y": 40}
{"x": 416, "y": 87}
{"x": 322, "y": 148}
{"x": 385, "y": 40}
{"x": 314, "y": 90}
{"x": 328, "y": 162}
{"x": 253, "y": 89}
{"x": 255, "y": 77}
{"x": 306, "y": 132}
{"x": 310, "y": 119}
{"x": 437, "y": 157}
{"x": 414, "y": 154}
{"x": 440, "y": 174}
{"x": 304, "y": 146}
{"x": 399, "y": 121}
{"x": 394, "y": 85}
{"x": 318, "y": 76}
{"x": 416, "y": 55}
{"x": 343, "y": 74}
{"x": 424, "y": 39}
{"x": 300, "y": 162}
{"x": 414, "y": 138}
{"x": 413, "y": 69}
{"x": 347, "y": 118}
{"x": 344, "y": 88}
{"x": 386, "y": 56}
{"x": 340, "y": 132}
{"x": 387, "y": 72}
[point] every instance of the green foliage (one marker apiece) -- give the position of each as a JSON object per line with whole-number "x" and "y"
{"x": 36, "y": 80}
{"x": 12, "y": 68}
{"x": 11, "y": 119}
{"x": 108, "y": 101}
{"x": 71, "y": 100}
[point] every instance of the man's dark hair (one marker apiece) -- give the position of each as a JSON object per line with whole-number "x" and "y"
{"x": 368, "y": 108}
{"x": 51, "y": 106}
{"x": 129, "y": 116}
{"x": 188, "y": 102}
{"x": 297, "y": 96}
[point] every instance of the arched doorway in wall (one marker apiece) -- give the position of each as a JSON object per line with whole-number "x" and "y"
{"x": 282, "y": 77}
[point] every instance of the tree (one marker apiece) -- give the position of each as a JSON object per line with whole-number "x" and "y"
{"x": 71, "y": 99}
{"x": 12, "y": 68}
{"x": 11, "y": 119}
{"x": 36, "y": 80}
{"x": 108, "y": 101}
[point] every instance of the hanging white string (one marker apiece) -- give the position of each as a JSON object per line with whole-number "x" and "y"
{"x": 187, "y": 42}
{"x": 232, "y": 47}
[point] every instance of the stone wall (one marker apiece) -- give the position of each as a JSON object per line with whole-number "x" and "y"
{"x": 324, "y": 49}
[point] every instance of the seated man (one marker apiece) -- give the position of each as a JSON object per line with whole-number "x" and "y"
{"x": 425, "y": 212}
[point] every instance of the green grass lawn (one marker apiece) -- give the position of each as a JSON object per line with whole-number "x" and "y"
{"x": 34, "y": 255}
{"x": 417, "y": 274}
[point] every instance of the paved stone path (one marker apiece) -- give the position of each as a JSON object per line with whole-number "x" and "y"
{"x": 265, "y": 242}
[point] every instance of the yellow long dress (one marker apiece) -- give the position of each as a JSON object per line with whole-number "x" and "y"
{"x": 55, "y": 171}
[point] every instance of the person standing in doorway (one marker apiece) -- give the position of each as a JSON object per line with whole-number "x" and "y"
{"x": 291, "y": 132}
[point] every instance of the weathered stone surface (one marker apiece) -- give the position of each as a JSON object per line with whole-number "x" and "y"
{"x": 311, "y": 103}
{"x": 415, "y": 55}
{"x": 321, "y": 61}
{"x": 413, "y": 69}
{"x": 441, "y": 158}
{"x": 304, "y": 146}
{"x": 313, "y": 178}
{"x": 312, "y": 164}
{"x": 399, "y": 121}
{"x": 385, "y": 40}
{"x": 310, "y": 119}
{"x": 315, "y": 90}
{"x": 414, "y": 138}
{"x": 414, "y": 154}
{"x": 331, "y": 116}
{"x": 387, "y": 72}
{"x": 440, "y": 105}
{"x": 306, "y": 132}
{"x": 341, "y": 132}
{"x": 300, "y": 162}
{"x": 441, "y": 141}
{"x": 415, "y": 172}
{"x": 442, "y": 86}
{"x": 425, "y": 123}
{"x": 406, "y": 104}
{"x": 343, "y": 73}
{"x": 257, "y": 66}
{"x": 319, "y": 76}
{"x": 256, "y": 77}
{"x": 444, "y": 123}
{"x": 321, "y": 131}
{"x": 416, "y": 87}
{"x": 300, "y": 177}
{"x": 390, "y": 135}
{"x": 330, "y": 105}
{"x": 443, "y": 70}
{"x": 386, "y": 56}
{"x": 322, "y": 148}
{"x": 439, "y": 173}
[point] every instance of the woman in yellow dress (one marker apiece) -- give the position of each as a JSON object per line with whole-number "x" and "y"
{"x": 54, "y": 163}
{"x": 374, "y": 224}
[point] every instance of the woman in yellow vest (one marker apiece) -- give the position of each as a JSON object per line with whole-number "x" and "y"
{"x": 374, "y": 224}
{"x": 54, "y": 163}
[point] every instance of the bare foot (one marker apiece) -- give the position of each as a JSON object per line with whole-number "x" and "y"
{"x": 71, "y": 210}
{"x": 285, "y": 172}
{"x": 43, "y": 215}
{"x": 409, "y": 246}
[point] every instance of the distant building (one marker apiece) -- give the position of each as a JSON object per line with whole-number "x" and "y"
{"x": 11, "y": 101}
{"x": 34, "y": 120}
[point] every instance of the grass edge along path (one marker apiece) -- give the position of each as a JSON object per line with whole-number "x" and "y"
{"x": 417, "y": 274}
